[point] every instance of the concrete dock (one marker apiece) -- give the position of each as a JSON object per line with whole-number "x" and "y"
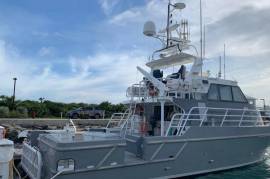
{"x": 51, "y": 122}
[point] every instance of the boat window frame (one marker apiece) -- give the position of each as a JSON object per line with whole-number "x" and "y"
{"x": 219, "y": 95}
{"x": 219, "y": 87}
{"x": 245, "y": 99}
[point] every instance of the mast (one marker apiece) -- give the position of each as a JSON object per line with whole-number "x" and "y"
{"x": 204, "y": 41}
{"x": 201, "y": 34}
{"x": 168, "y": 23}
{"x": 219, "y": 73}
{"x": 224, "y": 63}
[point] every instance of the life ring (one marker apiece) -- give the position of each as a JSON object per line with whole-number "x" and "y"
{"x": 153, "y": 92}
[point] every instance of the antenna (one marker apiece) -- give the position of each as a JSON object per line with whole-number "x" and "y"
{"x": 201, "y": 35}
{"x": 224, "y": 58}
{"x": 188, "y": 32}
{"x": 179, "y": 6}
{"x": 219, "y": 73}
{"x": 184, "y": 33}
{"x": 168, "y": 23}
{"x": 204, "y": 41}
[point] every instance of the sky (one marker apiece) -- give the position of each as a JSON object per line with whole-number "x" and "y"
{"x": 87, "y": 51}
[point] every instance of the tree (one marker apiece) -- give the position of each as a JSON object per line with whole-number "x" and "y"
{"x": 48, "y": 108}
{"x": 111, "y": 108}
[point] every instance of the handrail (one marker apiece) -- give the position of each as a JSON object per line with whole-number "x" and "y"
{"x": 179, "y": 131}
{"x": 31, "y": 161}
{"x": 117, "y": 120}
{"x": 171, "y": 123}
{"x": 123, "y": 120}
{"x": 204, "y": 117}
{"x": 226, "y": 114}
{"x": 243, "y": 118}
{"x": 141, "y": 91}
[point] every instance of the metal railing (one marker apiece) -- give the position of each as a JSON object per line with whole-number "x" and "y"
{"x": 217, "y": 117}
{"x": 117, "y": 119}
{"x": 31, "y": 161}
{"x": 131, "y": 126}
{"x": 120, "y": 121}
{"x": 140, "y": 91}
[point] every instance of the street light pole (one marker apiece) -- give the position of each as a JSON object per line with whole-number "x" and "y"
{"x": 14, "y": 91}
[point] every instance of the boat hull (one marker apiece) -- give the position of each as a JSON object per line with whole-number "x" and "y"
{"x": 200, "y": 150}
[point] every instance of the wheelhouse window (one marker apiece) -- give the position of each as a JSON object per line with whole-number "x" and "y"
{"x": 238, "y": 95}
{"x": 213, "y": 92}
{"x": 225, "y": 93}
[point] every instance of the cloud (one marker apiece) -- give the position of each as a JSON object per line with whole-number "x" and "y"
{"x": 44, "y": 34}
{"x": 154, "y": 10}
{"x": 257, "y": 83}
{"x": 105, "y": 72}
{"x": 93, "y": 78}
{"x": 46, "y": 51}
{"x": 108, "y": 5}
{"x": 241, "y": 25}
{"x": 226, "y": 21}
{"x": 120, "y": 19}
{"x": 245, "y": 31}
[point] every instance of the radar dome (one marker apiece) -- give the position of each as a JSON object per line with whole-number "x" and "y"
{"x": 149, "y": 28}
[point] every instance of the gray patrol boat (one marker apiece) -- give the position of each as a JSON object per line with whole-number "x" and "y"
{"x": 186, "y": 123}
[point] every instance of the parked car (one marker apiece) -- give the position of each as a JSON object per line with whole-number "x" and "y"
{"x": 86, "y": 112}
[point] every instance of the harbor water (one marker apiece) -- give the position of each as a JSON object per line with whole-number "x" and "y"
{"x": 258, "y": 171}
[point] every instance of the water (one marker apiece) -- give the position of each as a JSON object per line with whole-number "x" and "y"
{"x": 257, "y": 171}
{"x": 260, "y": 171}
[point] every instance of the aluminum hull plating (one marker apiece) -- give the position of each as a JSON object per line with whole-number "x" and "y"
{"x": 200, "y": 150}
